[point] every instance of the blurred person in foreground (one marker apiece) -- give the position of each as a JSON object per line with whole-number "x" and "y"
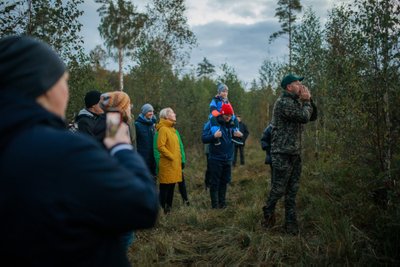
{"x": 292, "y": 110}
{"x": 64, "y": 199}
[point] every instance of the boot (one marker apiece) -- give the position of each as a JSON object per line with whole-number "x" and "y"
{"x": 269, "y": 220}
{"x": 214, "y": 198}
{"x": 291, "y": 227}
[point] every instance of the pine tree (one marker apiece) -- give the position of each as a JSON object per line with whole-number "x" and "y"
{"x": 285, "y": 12}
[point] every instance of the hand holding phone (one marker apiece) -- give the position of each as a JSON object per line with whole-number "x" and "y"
{"x": 121, "y": 137}
{"x": 113, "y": 121}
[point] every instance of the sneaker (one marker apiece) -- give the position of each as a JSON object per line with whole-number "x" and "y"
{"x": 269, "y": 221}
{"x": 237, "y": 142}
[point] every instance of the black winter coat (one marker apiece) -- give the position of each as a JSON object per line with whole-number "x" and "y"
{"x": 91, "y": 124}
{"x": 64, "y": 201}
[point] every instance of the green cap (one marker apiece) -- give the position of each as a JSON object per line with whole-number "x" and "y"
{"x": 288, "y": 79}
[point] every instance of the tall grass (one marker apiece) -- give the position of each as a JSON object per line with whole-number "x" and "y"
{"x": 339, "y": 224}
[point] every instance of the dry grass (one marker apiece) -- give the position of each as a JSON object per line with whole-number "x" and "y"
{"x": 195, "y": 235}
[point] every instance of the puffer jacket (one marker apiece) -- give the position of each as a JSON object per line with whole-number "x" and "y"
{"x": 170, "y": 165}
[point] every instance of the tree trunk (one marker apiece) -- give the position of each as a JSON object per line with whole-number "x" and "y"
{"x": 120, "y": 66}
{"x": 29, "y": 26}
{"x": 387, "y": 136}
{"x": 290, "y": 40}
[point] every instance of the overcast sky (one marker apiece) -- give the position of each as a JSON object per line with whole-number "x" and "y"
{"x": 235, "y": 32}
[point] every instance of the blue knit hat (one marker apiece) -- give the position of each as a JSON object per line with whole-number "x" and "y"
{"x": 221, "y": 87}
{"x": 146, "y": 108}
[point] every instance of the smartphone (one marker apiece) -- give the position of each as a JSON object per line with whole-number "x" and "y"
{"x": 113, "y": 121}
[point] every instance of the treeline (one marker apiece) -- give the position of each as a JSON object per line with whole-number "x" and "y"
{"x": 351, "y": 64}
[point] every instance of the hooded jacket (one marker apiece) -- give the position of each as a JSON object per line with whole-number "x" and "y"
{"x": 144, "y": 140}
{"x": 170, "y": 165}
{"x": 63, "y": 198}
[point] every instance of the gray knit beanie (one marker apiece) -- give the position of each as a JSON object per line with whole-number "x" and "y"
{"x": 146, "y": 108}
{"x": 221, "y": 87}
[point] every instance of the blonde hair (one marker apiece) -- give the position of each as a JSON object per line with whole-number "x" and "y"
{"x": 165, "y": 112}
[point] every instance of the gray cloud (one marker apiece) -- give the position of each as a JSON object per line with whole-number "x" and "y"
{"x": 241, "y": 46}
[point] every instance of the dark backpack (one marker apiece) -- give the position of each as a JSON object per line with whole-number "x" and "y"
{"x": 266, "y": 143}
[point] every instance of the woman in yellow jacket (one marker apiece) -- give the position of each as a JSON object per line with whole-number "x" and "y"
{"x": 170, "y": 165}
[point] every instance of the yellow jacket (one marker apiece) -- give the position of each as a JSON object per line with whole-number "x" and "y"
{"x": 170, "y": 166}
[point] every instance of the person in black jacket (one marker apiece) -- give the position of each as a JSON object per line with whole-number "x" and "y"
{"x": 91, "y": 120}
{"x": 240, "y": 142}
{"x": 64, "y": 199}
{"x": 145, "y": 131}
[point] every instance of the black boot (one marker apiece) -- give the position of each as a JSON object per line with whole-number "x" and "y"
{"x": 214, "y": 198}
{"x": 269, "y": 218}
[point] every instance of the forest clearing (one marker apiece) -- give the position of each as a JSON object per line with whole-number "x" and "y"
{"x": 339, "y": 222}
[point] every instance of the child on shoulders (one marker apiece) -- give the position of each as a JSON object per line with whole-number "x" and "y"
{"x": 215, "y": 110}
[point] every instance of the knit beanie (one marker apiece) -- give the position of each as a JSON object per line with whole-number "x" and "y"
{"x": 28, "y": 67}
{"x": 146, "y": 108}
{"x": 115, "y": 101}
{"x": 227, "y": 109}
{"x": 221, "y": 87}
{"x": 92, "y": 98}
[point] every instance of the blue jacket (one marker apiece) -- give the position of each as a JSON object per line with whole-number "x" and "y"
{"x": 63, "y": 197}
{"x": 144, "y": 141}
{"x": 223, "y": 151}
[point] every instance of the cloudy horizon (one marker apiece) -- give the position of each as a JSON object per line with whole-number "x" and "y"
{"x": 234, "y": 32}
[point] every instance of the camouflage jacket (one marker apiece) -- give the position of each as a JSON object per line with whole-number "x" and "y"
{"x": 288, "y": 118}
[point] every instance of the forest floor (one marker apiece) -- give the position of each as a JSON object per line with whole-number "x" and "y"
{"x": 332, "y": 230}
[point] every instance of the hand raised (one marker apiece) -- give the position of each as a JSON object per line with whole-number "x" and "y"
{"x": 218, "y": 134}
{"x": 122, "y": 136}
{"x": 305, "y": 93}
{"x": 237, "y": 134}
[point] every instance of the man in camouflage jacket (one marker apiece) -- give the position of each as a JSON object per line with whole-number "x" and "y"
{"x": 292, "y": 109}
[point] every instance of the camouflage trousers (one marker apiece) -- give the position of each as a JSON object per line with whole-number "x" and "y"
{"x": 285, "y": 181}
